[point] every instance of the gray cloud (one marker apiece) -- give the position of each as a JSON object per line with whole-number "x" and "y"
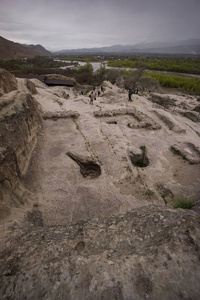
{"x": 69, "y": 24}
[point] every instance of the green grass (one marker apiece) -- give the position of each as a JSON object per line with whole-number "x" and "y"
{"x": 161, "y": 64}
{"x": 143, "y": 148}
{"x": 189, "y": 85}
{"x": 183, "y": 202}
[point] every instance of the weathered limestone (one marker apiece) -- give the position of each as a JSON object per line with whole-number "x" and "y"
{"x": 20, "y": 123}
{"x": 148, "y": 253}
{"x": 171, "y": 123}
{"x": 187, "y": 151}
{"x": 61, "y": 77}
{"x": 31, "y": 87}
{"x": 88, "y": 167}
{"x": 139, "y": 157}
{"x": 60, "y": 114}
{"x": 102, "y": 226}
{"x": 8, "y": 82}
{"x": 162, "y": 100}
{"x": 143, "y": 120}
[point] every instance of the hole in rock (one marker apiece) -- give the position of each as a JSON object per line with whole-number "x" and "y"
{"x": 111, "y": 122}
{"x": 80, "y": 247}
{"x": 88, "y": 168}
{"x": 139, "y": 160}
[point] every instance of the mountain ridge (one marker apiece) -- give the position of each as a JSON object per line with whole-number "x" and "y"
{"x": 191, "y": 46}
{"x": 10, "y": 49}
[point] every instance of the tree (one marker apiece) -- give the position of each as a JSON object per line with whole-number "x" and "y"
{"x": 101, "y": 74}
{"x": 135, "y": 76}
{"x": 85, "y": 74}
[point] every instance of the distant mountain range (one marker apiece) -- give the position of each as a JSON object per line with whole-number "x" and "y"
{"x": 9, "y": 50}
{"x": 191, "y": 47}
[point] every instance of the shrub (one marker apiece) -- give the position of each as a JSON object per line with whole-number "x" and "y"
{"x": 183, "y": 202}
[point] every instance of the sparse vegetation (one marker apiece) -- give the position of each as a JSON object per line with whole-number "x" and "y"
{"x": 143, "y": 148}
{"x": 183, "y": 202}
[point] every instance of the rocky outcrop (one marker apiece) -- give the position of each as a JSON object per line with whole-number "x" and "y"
{"x": 187, "y": 151}
{"x": 171, "y": 123}
{"x": 143, "y": 121}
{"x": 8, "y": 82}
{"x": 162, "y": 100}
{"x": 192, "y": 115}
{"x": 88, "y": 167}
{"x": 60, "y": 77}
{"x": 31, "y": 87}
{"x": 20, "y": 123}
{"x": 60, "y": 114}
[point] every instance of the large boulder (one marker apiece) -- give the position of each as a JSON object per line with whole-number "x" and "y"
{"x": 60, "y": 77}
{"x": 162, "y": 100}
{"x": 8, "y": 82}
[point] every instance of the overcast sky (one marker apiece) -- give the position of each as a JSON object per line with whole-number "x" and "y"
{"x": 68, "y": 24}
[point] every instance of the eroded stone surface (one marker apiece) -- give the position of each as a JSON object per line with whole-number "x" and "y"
{"x": 163, "y": 100}
{"x": 88, "y": 167}
{"x": 115, "y": 236}
{"x": 170, "y": 122}
{"x": 60, "y": 114}
{"x": 188, "y": 151}
{"x": 20, "y": 124}
{"x": 143, "y": 121}
{"x": 121, "y": 257}
{"x": 8, "y": 82}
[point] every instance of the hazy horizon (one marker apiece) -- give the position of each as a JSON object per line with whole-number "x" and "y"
{"x": 71, "y": 24}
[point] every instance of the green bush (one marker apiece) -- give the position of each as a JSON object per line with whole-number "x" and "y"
{"x": 183, "y": 202}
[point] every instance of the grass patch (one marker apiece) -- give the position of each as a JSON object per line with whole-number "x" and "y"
{"x": 183, "y": 202}
{"x": 189, "y": 85}
{"x": 143, "y": 148}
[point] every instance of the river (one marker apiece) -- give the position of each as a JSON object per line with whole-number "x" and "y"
{"x": 97, "y": 65}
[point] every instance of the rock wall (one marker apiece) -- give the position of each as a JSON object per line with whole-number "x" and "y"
{"x": 20, "y": 123}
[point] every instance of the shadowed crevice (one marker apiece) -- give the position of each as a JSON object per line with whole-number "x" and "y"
{"x": 88, "y": 167}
